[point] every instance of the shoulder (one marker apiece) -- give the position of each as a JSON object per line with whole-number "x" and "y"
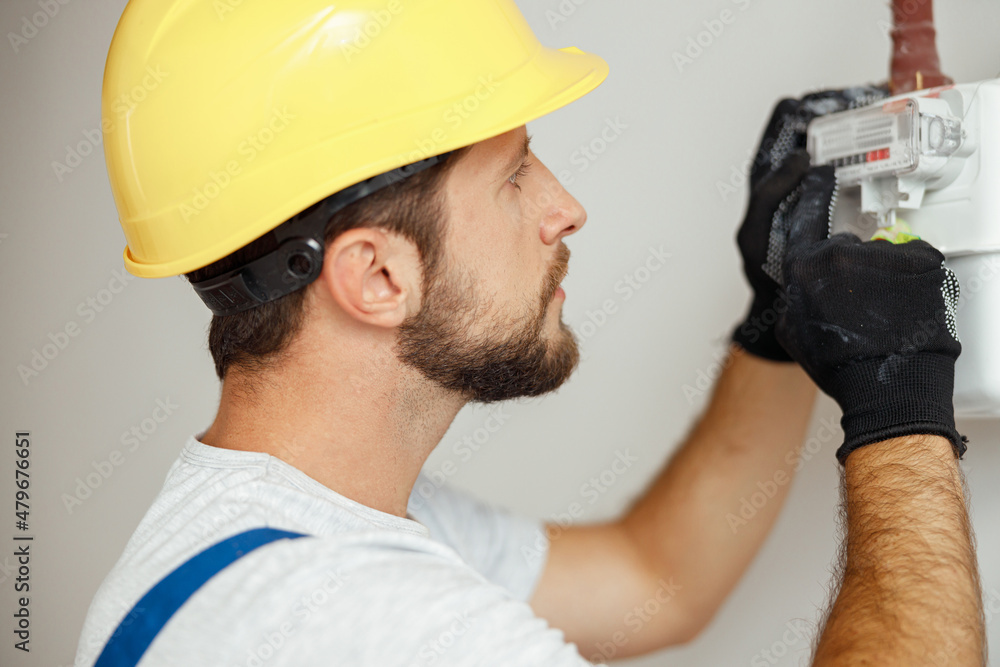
{"x": 379, "y": 599}
{"x": 507, "y": 548}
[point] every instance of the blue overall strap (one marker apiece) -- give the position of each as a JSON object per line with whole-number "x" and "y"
{"x": 140, "y": 626}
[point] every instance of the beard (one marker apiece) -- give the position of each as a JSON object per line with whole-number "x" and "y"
{"x": 510, "y": 359}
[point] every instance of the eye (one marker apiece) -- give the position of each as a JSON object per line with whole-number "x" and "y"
{"x": 521, "y": 171}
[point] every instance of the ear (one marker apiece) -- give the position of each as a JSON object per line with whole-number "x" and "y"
{"x": 373, "y": 275}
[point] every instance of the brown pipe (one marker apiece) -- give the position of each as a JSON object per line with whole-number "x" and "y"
{"x": 915, "y": 62}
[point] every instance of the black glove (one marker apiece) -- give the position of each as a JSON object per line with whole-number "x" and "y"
{"x": 872, "y": 323}
{"x": 777, "y": 170}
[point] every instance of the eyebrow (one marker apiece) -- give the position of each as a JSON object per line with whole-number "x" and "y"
{"x": 517, "y": 159}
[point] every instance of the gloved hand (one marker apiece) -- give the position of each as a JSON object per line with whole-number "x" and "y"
{"x": 777, "y": 170}
{"x": 872, "y": 323}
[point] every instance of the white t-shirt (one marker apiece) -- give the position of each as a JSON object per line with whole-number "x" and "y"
{"x": 447, "y": 586}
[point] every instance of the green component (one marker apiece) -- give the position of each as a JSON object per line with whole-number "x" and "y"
{"x": 898, "y": 233}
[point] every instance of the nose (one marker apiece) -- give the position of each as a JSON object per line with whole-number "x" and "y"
{"x": 562, "y": 215}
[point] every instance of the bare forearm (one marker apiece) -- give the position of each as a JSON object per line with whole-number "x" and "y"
{"x": 910, "y": 592}
{"x": 710, "y": 510}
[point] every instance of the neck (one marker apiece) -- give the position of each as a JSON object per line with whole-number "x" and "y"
{"x": 361, "y": 424}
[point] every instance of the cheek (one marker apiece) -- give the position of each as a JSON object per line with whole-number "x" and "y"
{"x": 498, "y": 248}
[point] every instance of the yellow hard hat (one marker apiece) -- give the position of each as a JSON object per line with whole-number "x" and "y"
{"x": 224, "y": 119}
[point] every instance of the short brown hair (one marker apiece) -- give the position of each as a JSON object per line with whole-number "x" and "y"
{"x": 255, "y": 338}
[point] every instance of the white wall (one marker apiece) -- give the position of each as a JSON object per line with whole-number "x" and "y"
{"x": 656, "y": 185}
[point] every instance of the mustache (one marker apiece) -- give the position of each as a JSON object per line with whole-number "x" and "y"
{"x": 557, "y": 272}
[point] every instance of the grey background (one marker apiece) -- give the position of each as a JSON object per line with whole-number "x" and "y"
{"x": 656, "y": 185}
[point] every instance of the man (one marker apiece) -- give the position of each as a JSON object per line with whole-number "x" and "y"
{"x": 351, "y": 190}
